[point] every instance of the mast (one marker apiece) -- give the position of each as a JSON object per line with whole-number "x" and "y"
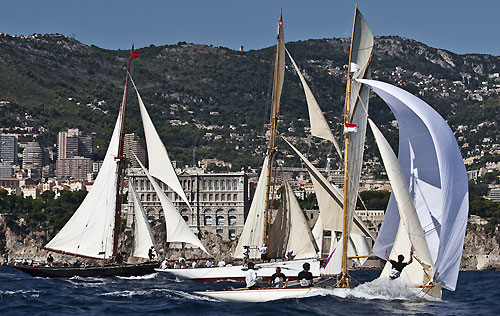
{"x": 346, "y": 280}
{"x": 120, "y": 159}
{"x": 272, "y": 148}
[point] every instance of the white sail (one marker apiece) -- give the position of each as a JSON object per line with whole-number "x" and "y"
{"x": 177, "y": 228}
{"x": 160, "y": 165}
{"x": 253, "y": 231}
{"x": 319, "y": 125}
{"x": 143, "y": 236}
{"x": 317, "y": 232}
{"x": 301, "y": 240}
{"x": 434, "y": 170}
{"x": 89, "y": 232}
{"x": 361, "y": 52}
{"x": 410, "y": 223}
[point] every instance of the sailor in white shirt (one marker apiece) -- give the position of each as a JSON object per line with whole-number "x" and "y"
{"x": 263, "y": 251}
{"x": 251, "y": 276}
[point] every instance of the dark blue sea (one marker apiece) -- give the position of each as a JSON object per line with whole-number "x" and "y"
{"x": 478, "y": 293}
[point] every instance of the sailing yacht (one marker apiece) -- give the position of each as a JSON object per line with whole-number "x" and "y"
{"x": 287, "y": 233}
{"x": 94, "y": 229}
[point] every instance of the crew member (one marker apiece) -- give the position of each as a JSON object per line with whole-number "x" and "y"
{"x": 305, "y": 276}
{"x": 251, "y": 276}
{"x": 398, "y": 266}
{"x": 278, "y": 279}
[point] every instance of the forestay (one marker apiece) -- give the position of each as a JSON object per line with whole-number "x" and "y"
{"x": 143, "y": 236}
{"x": 253, "y": 231}
{"x": 177, "y": 228}
{"x": 434, "y": 170}
{"x": 89, "y": 232}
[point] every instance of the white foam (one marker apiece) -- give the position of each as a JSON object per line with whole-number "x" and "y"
{"x": 171, "y": 294}
{"x": 143, "y": 277}
{"x": 33, "y": 293}
{"x": 385, "y": 289}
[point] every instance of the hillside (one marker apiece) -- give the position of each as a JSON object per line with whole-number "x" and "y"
{"x": 216, "y": 100}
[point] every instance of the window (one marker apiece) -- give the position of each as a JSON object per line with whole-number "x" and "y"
{"x": 235, "y": 185}
{"x": 222, "y": 197}
{"x": 219, "y": 231}
{"x": 186, "y": 218}
{"x": 235, "y": 197}
{"x": 220, "y": 220}
{"x": 229, "y": 197}
{"x": 217, "y": 196}
{"x": 232, "y": 234}
{"x": 211, "y": 185}
{"x": 204, "y": 184}
{"x": 228, "y": 184}
{"x": 211, "y": 197}
{"x": 312, "y": 215}
{"x": 207, "y": 220}
{"x": 204, "y": 197}
{"x": 232, "y": 220}
{"x": 217, "y": 184}
{"x": 222, "y": 186}
{"x": 148, "y": 197}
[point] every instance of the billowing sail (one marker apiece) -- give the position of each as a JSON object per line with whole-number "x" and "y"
{"x": 89, "y": 232}
{"x": 290, "y": 231}
{"x": 253, "y": 231}
{"x": 319, "y": 125}
{"x": 435, "y": 173}
{"x": 410, "y": 229}
{"x": 357, "y": 111}
{"x": 160, "y": 165}
{"x": 177, "y": 228}
{"x": 143, "y": 236}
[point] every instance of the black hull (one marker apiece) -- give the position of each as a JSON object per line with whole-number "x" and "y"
{"x": 124, "y": 270}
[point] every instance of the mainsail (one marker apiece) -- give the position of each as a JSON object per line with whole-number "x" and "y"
{"x": 355, "y": 114}
{"x": 410, "y": 234}
{"x": 434, "y": 170}
{"x": 143, "y": 236}
{"x": 177, "y": 228}
{"x": 89, "y": 232}
{"x": 253, "y": 231}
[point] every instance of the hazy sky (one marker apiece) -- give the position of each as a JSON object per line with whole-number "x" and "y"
{"x": 457, "y": 25}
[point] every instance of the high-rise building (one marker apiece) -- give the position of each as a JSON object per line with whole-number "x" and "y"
{"x": 33, "y": 156}
{"x": 73, "y": 143}
{"x": 76, "y": 168}
{"x": 132, "y": 145}
{"x": 8, "y": 148}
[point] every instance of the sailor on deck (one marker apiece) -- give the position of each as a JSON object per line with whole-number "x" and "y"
{"x": 305, "y": 276}
{"x": 263, "y": 251}
{"x": 251, "y": 276}
{"x": 398, "y": 266}
{"x": 278, "y": 279}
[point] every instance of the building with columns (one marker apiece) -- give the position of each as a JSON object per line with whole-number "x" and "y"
{"x": 219, "y": 201}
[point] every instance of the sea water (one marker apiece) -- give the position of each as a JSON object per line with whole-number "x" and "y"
{"x": 478, "y": 293}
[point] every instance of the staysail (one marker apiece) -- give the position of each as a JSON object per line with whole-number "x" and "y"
{"x": 89, "y": 232}
{"x": 177, "y": 228}
{"x": 160, "y": 165}
{"x": 143, "y": 236}
{"x": 422, "y": 269}
{"x": 290, "y": 231}
{"x": 319, "y": 125}
{"x": 435, "y": 172}
{"x": 253, "y": 231}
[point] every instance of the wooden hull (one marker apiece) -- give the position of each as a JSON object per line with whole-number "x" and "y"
{"x": 270, "y": 294}
{"x": 237, "y": 273}
{"x": 124, "y": 270}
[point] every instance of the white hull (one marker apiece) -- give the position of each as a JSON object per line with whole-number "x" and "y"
{"x": 237, "y": 273}
{"x": 271, "y": 294}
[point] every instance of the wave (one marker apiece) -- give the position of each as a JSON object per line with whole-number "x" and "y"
{"x": 385, "y": 289}
{"x": 32, "y": 293}
{"x": 144, "y": 277}
{"x": 166, "y": 293}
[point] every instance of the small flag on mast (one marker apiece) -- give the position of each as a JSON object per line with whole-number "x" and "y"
{"x": 348, "y": 128}
{"x": 134, "y": 55}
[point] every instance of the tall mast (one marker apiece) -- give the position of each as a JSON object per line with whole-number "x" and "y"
{"x": 346, "y": 280}
{"x": 120, "y": 159}
{"x": 272, "y": 148}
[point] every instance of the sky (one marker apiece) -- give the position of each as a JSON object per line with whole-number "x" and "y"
{"x": 459, "y": 26}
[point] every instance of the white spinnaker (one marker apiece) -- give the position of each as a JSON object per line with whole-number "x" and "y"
{"x": 361, "y": 52}
{"x": 319, "y": 125}
{"x": 300, "y": 240}
{"x": 177, "y": 228}
{"x": 143, "y": 236}
{"x": 160, "y": 165}
{"x": 434, "y": 170}
{"x": 408, "y": 213}
{"x": 253, "y": 231}
{"x": 89, "y": 232}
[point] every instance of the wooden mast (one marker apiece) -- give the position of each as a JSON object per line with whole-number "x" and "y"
{"x": 272, "y": 148}
{"x": 120, "y": 160}
{"x": 346, "y": 280}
